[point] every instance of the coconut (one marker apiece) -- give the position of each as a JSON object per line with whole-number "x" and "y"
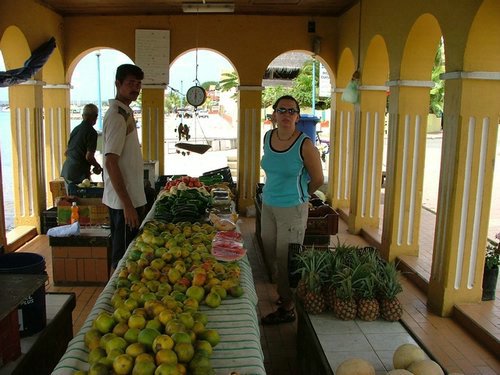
{"x": 399, "y": 371}
{"x": 355, "y": 366}
{"x": 425, "y": 367}
{"x": 406, "y": 354}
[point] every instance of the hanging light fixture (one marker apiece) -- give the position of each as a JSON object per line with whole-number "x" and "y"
{"x": 208, "y": 7}
{"x": 351, "y": 92}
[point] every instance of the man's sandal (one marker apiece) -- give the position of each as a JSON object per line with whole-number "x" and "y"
{"x": 279, "y": 316}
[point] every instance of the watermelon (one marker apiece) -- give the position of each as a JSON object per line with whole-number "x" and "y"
{"x": 226, "y": 250}
{"x": 231, "y": 235}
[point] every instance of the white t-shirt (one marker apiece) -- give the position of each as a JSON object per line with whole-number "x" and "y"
{"x": 120, "y": 138}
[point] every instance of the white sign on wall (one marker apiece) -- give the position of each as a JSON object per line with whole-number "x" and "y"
{"x": 325, "y": 87}
{"x": 152, "y": 55}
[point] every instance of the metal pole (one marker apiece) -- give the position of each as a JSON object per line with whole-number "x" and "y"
{"x": 182, "y": 97}
{"x": 99, "y": 105}
{"x": 314, "y": 87}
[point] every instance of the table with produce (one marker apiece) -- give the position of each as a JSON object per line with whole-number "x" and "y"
{"x": 182, "y": 299}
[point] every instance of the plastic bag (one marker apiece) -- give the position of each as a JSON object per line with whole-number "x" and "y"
{"x": 65, "y": 230}
{"x": 351, "y": 92}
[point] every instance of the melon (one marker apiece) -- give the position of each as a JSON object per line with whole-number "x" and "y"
{"x": 406, "y": 354}
{"x": 425, "y": 367}
{"x": 399, "y": 371}
{"x": 355, "y": 366}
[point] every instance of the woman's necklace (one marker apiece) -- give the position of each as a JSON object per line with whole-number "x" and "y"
{"x": 284, "y": 140}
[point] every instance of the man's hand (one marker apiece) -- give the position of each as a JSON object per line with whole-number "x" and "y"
{"x": 131, "y": 217}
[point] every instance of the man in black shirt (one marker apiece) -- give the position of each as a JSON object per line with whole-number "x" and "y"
{"x": 80, "y": 152}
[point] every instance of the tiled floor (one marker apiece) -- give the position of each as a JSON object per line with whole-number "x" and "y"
{"x": 446, "y": 341}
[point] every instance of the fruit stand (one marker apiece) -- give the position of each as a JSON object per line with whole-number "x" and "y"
{"x": 235, "y": 320}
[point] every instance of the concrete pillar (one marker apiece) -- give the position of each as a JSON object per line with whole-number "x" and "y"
{"x": 27, "y": 152}
{"x": 339, "y": 181}
{"x": 249, "y": 143}
{"x": 364, "y": 208}
{"x": 56, "y": 131}
{"x": 153, "y": 125}
{"x": 469, "y": 146}
{"x": 408, "y": 109}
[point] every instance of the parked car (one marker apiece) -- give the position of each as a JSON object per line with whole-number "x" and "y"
{"x": 184, "y": 113}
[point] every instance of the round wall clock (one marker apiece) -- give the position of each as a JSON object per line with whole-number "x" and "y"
{"x": 196, "y": 96}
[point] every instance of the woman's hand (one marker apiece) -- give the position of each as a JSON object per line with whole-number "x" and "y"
{"x": 312, "y": 162}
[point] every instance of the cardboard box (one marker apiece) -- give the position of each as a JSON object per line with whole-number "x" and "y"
{"x": 91, "y": 211}
{"x": 57, "y": 189}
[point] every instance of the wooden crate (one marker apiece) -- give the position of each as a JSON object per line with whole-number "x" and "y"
{"x": 323, "y": 225}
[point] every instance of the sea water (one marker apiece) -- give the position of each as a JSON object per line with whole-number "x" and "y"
{"x": 7, "y": 171}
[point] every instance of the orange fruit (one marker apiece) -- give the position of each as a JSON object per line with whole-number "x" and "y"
{"x": 137, "y": 321}
{"x": 210, "y": 335}
{"x": 179, "y": 337}
{"x": 92, "y": 338}
{"x": 165, "y": 369}
{"x": 162, "y": 342}
{"x": 135, "y": 349}
{"x": 144, "y": 368}
{"x": 147, "y": 336}
{"x": 184, "y": 351}
{"x": 123, "y": 364}
{"x": 167, "y": 356}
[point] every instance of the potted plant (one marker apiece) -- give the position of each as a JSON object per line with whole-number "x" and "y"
{"x": 490, "y": 274}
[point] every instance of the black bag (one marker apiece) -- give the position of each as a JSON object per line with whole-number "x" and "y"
{"x": 294, "y": 249}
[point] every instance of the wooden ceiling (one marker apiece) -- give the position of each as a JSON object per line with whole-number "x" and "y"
{"x": 174, "y": 7}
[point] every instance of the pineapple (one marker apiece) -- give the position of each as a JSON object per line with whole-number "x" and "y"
{"x": 345, "y": 306}
{"x": 368, "y": 306}
{"x": 329, "y": 296}
{"x": 301, "y": 261}
{"x": 330, "y": 284}
{"x": 301, "y": 289}
{"x": 345, "y": 265}
{"x": 365, "y": 284}
{"x": 313, "y": 265}
{"x": 390, "y": 306}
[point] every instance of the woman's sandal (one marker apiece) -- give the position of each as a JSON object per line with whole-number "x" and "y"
{"x": 279, "y": 316}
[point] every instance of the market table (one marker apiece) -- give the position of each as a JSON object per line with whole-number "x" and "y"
{"x": 235, "y": 320}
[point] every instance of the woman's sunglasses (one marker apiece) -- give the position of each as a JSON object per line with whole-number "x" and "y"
{"x": 291, "y": 111}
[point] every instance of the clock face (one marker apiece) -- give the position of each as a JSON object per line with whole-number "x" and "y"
{"x": 196, "y": 96}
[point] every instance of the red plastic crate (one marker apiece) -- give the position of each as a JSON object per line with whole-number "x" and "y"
{"x": 10, "y": 339}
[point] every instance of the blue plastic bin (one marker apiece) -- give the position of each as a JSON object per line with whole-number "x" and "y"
{"x": 307, "y": 125}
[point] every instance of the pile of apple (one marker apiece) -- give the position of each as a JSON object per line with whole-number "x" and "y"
{"x": 156, "y": 326}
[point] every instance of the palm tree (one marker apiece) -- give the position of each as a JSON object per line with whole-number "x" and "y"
{"x": 229, "y": 81}
{"x": 437, "y": 92}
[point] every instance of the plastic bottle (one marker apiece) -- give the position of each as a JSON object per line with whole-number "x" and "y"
{"x": 75, "y": 216}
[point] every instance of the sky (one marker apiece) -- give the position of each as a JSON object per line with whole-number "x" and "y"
{"x": 182, "y": 73}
